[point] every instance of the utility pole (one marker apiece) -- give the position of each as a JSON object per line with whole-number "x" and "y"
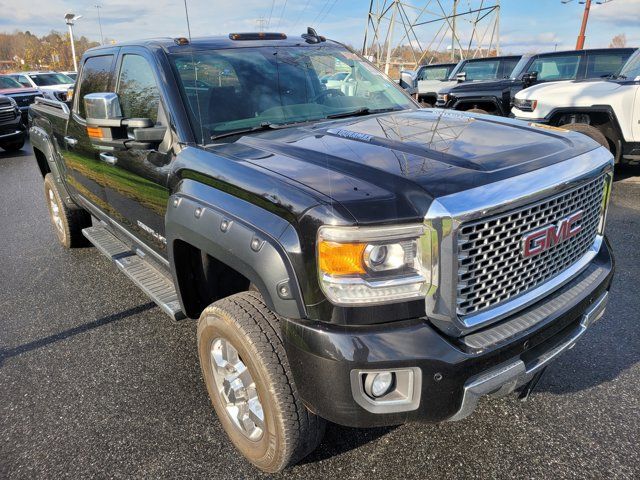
{"x": 583, "y": 28}
{"x": 453, "y": 30}
{"x": 98, "y": 7}
{"x": 390, "y": 38}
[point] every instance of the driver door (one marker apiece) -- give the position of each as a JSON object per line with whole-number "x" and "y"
{"x": 135, "y": 177}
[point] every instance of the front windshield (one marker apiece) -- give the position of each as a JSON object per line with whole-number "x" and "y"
{"x": 631, "y": 69}
{"x": 242, "y": 88}
{"x": 50, "y": 79}
{"x": 8, "y": 82}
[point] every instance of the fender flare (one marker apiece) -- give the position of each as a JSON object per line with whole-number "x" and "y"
{"x": 41, "y": 141}
{"x": 244, "y": 236}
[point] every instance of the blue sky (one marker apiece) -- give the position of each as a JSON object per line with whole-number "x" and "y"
{"x": 525, "y": 25}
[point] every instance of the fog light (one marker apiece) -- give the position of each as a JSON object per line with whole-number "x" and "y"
{"x": 378, "y": 384}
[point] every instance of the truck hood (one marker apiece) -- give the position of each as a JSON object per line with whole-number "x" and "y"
{"x": 568, "y": 90}
{"x": 434, "y": 86}
{"x": 57, "y": 88}
{"x": 17, "y": 91}
{"x": 392, "y": 166}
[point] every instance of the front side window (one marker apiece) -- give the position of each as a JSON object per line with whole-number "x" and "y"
{"x": 552, "y": 68}
{"x": 137, "y": 89}
{"x": 23, "y": 80}
{"x": 433, "y": 73}
{"x": 485, "y": 70}
{"x": 95, "y": 77}
{"x": 238, "y": 89}
{"x": 50, "y": 79}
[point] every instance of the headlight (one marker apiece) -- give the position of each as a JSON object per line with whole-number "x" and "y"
{"x": 372, "y": 265}
{"x": 525, "y": 105}
{"x": 443, "y": 98}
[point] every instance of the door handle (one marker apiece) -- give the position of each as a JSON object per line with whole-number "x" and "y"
{"x": 70, "y": 141}
{"x": 108, "y": 158}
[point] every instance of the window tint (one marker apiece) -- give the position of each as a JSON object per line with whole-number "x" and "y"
{"x": 562, "y": 67}
{"x": 137, "y": 89}
{"x": 96, "y": 73}
{"x": 485, "y": 70}
{"x": 604, "y": 64}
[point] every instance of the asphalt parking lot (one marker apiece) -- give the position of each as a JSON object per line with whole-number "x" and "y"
{"x": 95, "y": 381}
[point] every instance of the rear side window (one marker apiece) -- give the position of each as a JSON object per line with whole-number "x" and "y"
{"x": 604, "y": 64}
{"x": 137, "y": 89}
{"x": 96, "y": 74}
{"x": 551, "y": 68}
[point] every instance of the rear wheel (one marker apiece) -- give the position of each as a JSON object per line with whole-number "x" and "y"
{"x": 249, "y": 380}
{"x": 67, "y": 222}
{"x": 589, "y": 131}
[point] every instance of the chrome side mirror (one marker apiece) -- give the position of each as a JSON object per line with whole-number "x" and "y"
{"x": 103, "y": 109}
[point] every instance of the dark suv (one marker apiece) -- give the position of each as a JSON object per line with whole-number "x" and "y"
{"x": 496, "y": 97}
{"x": 12, "y": 129}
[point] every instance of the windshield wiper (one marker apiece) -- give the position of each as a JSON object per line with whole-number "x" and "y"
{"x": 240, "y": 131}
{"x": 363, "y": 111}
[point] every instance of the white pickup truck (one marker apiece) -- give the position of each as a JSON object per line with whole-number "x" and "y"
{"x": 607, "y": 110}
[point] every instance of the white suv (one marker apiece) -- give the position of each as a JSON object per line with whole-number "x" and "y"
{"x": 607, "y": 110}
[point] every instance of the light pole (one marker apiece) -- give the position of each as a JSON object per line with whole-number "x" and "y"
{"x": 70, "y": 18}
{"x": 98, "y": 7}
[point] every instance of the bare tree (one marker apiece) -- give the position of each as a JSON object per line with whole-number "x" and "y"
{"x": 618, "y": 41}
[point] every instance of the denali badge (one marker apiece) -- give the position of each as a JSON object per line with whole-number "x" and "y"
{"x": 541, "y": 240}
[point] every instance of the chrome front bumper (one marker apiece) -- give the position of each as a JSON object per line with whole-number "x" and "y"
{"x": 505, "y": 378}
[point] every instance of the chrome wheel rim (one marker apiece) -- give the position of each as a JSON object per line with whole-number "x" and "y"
{"x": 237, "y": 389}
{"x": 55, "y": 212}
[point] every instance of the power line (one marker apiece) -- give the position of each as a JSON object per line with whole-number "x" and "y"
{"x": 306, "y": 5}
{"x": 282, "y": 13}
{"x": 321, "y": 10}
{"x": 327, "y": 12}
{"x": 273, "y": 2}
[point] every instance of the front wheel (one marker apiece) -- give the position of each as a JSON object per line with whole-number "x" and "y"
{"x": 588, "y": 130}
{"x": 250, "y": 384}
{"x": 67, "y": 222}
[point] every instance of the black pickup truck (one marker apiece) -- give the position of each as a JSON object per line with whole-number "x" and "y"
{"x": 350, "y": 256}
{"x": 496, "y": 97}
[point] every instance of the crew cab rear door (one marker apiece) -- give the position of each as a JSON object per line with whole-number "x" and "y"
{"x": 136, "y": 181}
{"x": 84, "y": 168}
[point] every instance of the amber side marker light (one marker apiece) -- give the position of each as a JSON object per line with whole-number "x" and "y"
{"x": 94, "y": 132}
{"x": 341, "y": 258}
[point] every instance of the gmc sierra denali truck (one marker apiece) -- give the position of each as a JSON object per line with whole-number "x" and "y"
{"x": 350, "y": 256}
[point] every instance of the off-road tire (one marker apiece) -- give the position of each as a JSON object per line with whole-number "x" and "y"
{"x": 13, "y": 146}
{"x": 589, "y": 131}
{"x": 291, "y": 431}
{"x": 69, "y": 222}
{"x": 478, "y": 110}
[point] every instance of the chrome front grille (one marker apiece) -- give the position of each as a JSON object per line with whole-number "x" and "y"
{"x": 491, "y": 266}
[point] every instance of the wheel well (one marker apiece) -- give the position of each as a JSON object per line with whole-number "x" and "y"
{"x": 487, "y": 106}
{"x": 600, "y": 120}
{"x": 43, "y": 165}
{"x": 203, "y": 279}
{"x": 427, "y": 98}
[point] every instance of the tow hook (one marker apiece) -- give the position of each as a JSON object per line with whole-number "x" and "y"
{"x": 530, "y": 386}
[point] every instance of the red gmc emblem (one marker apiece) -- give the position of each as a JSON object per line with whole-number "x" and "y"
{"x": 538, "y": 241}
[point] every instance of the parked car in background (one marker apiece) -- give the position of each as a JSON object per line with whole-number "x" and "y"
{"x": 13, "y": 131}
{"x": 436, "y": 71}
{"x": 53, "y": 85}
{"x": 23, "y": 96}
{"x": 471, "y": 70}
{"x": 607, "y": 110}
{"x": 336, "y": 80}
{"x": 495, "y": 97}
